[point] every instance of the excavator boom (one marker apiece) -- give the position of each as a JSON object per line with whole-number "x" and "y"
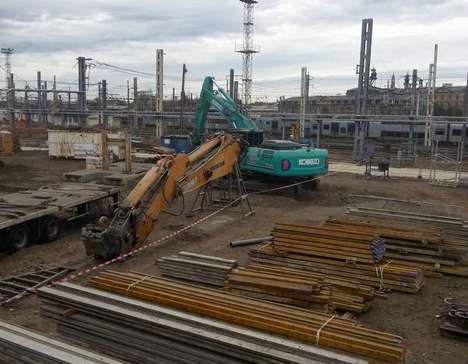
{"x": 170, "y": 177}
{"x": 212, "y": 95}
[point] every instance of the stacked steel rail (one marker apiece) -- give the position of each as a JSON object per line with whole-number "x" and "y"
{"x": 431, "y": 245}
{"x": 19, "y": 345}
{"x": 146, "y": 333}
{"x": 383, "y": 277}
{"x": 339, "y": 244}
{"x": 338, "y": 253}
{"x": 196, "y": 268}
{"x": 299, "y": 288}
{"x": 294, "y": 323}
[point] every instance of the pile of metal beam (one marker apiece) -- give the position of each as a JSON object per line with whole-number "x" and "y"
{"x": 454, "y": 319}
{"x": 384, "y": 276}
{"x": 345, "y": 252}
{"x": 291, "y": 322}
{"x": 299, "y": 288}
{"x": 19, "y": 345}
{"x": 196, "y": 268}
{"x": 142, "y": 332}
{"x": 408, "y": 216}
{"x": 328, "y": 241}
{"x": 431, "y": 246}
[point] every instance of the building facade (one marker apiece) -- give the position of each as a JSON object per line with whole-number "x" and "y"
{"x": 449, "y": 101}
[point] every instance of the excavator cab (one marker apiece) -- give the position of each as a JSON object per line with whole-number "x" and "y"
{"x": 253, "y": 138}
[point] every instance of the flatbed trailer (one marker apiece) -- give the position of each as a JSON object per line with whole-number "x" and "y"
{"x": 36, "y": 215}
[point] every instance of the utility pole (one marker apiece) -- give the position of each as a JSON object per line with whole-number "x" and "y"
{"x": 69, "y": 117}
{"x": 303, "y": 101}
{"x": 11, "y": 106}
{"x": 82, "y": 89}
{"x": 99, "y": 103}
{"x": 231, "y": 83}
{"x": 236, "y": 91}
{"x": 182, "y": 98}
{"x": 363, "y": 69}
{"x": 10, "y": 95}
{"x": 129, "y": 120}
{"x": 7, "y": 52}
{"x": 135, "y": 100}
{"x": 28, "y": 111}
{"x": 173, "y": 99}
{"x": 39, "y": 94}
{"x": 430, "y": 98}
{"x": 44, "y": 102}
{"x": 466, "y": 98}
{"x": 159, "y": 90}
{"x": 104, "y": 102}
{"x": 414, "y": 85}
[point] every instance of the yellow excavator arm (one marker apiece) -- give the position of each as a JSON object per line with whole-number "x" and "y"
{"x": 171, "y": 176}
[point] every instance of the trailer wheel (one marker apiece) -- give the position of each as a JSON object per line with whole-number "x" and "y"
{"x": 18, "y": 238}
{"x": 50, "y": 229}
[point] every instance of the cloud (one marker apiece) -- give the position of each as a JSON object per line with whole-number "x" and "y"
{"x": 322, "y": 35}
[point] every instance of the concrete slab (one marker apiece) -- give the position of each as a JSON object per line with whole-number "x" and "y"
{"x": 85, "y": 175}
{"x": 127, "y": 180}
{"x": 136, "y": 167}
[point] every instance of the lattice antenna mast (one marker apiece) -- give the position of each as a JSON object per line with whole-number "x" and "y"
{"x": 7, "y": 52}
{"x": 247, "y": 50}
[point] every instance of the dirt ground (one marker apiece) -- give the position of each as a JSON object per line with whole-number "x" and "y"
{"x": 33, "y": 169}
{"x": 413, "y": 316}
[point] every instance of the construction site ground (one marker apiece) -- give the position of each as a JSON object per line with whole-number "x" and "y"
{"x": 413, "y": 316}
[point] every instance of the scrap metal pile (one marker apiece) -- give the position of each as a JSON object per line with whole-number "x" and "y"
{"x": 196, "y": 268}
{"x": 299, "y": 288}
{"x": 22, "y": 346}
{"x": 454, "y": 319}
{"x": 338, "y": 253}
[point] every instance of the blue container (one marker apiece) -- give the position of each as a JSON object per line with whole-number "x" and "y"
{"x": 180, "y": 143}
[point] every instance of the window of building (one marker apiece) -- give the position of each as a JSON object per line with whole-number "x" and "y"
{"x": 440, "y": 131}
{"x": 326, "y": 126}
{"x": 456, "y": 132}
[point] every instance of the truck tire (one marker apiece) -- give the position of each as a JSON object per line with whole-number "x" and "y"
{"x": 50, "y": 229}
{"x": 18, "y": 238}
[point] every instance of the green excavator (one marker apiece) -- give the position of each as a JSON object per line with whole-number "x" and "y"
{"x": 277, "y": 161}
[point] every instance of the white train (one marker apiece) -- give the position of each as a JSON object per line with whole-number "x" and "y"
{"x": 395, "y": 129}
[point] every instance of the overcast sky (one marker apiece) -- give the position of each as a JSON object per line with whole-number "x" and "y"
{"x": 321, "y": 35}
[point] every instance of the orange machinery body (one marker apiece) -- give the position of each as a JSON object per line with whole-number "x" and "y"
{"x": 171, "y": 176}
{"x": 6, "y": 143}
